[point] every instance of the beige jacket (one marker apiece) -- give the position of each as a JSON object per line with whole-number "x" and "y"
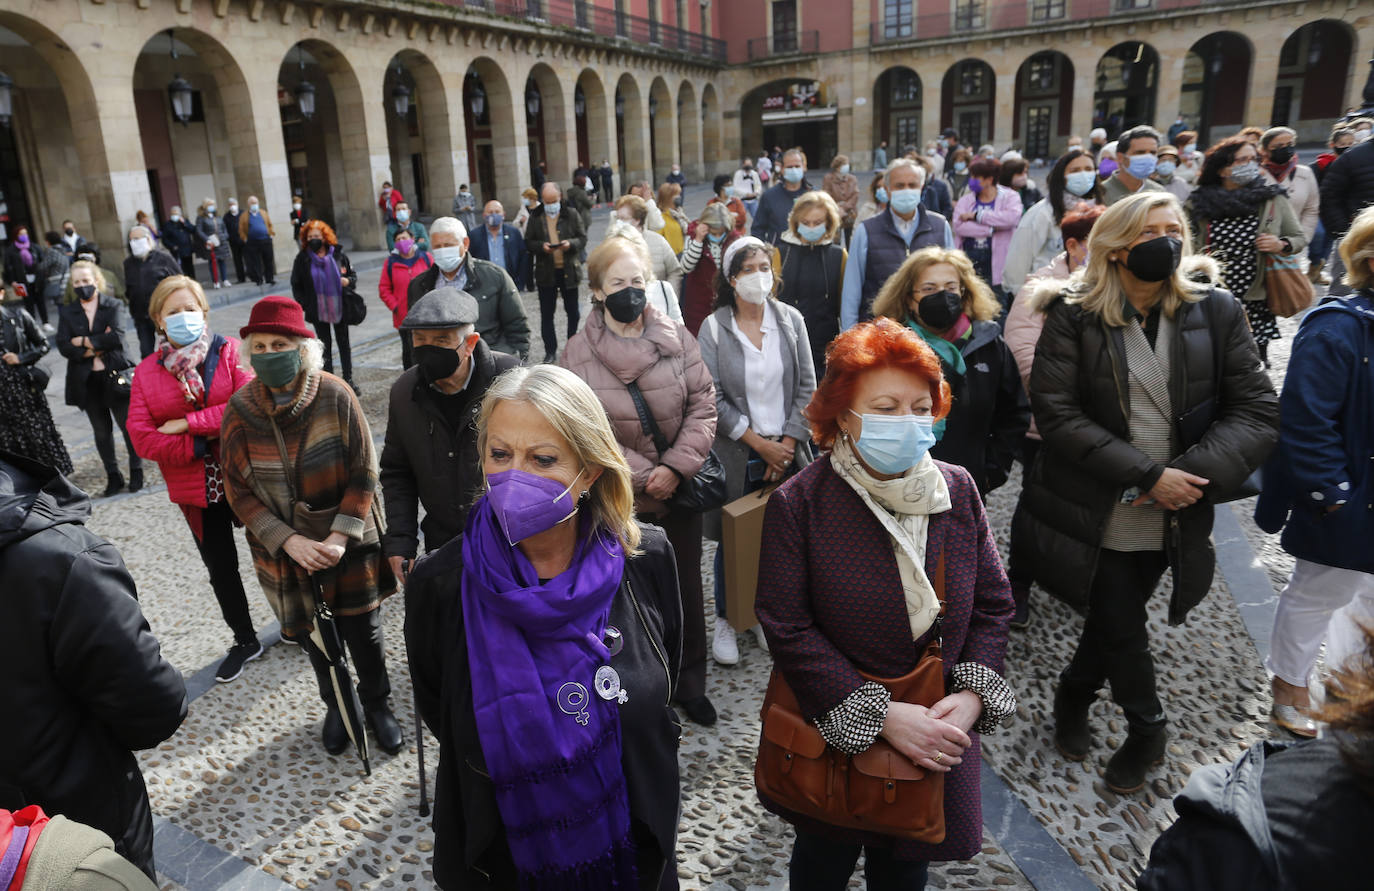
{"x": 1303, "y": 194}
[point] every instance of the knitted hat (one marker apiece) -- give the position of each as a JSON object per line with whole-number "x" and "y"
{"x": 277, "y": 315}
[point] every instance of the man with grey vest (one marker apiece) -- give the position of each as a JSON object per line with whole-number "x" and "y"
{"x": 882, "y": 243}
{"x": 430, "y": 455}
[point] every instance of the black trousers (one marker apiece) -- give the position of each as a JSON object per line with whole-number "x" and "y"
{"x": 345, "y": 351}
{"x": 220, "y": 554}
{"x": 407, "y": 357}
{"x": 104, "y": 411}
{"x": 147, "y": 334}
{"x": 236, "y": 249}
{"x": 262, "y": 264}
{"x": 35, "y": 302}
{"x": 1115, "y": 645}
{"x": 1020, "y": 563}
{"x": 362, "y": 635}
{"x": 684, "y": 533}
{"x": 548, "y": 304}
{"x": 823, "y": 864}
{"x": 188, "y": 266}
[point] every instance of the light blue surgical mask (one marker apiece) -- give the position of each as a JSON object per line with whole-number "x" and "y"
{"x": 551, "y": 210}
{"x": 1141, "y": 166}
{"x": 905, "y": 201}
{"x": 448, "y": 258}
{"x": 894, "y": 444}
{"x": 1166, "y": 168}
{"x": 185, "y": 327}
{"x": 812, "y": 234}
{"x": 793, "y": 174}
{"x": 960, "y": 166}
{"x": 729, "y": 192}
{"x": 881, "y": 195}
{"x": 1081, "y": 182}
{"x": 715, "y": 239}
{"x": 844, "y": 168}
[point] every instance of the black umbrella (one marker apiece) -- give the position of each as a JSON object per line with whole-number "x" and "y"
{"x": 324, "y": 639}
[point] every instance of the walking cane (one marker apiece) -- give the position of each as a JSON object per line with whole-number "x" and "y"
{"x": 419, "y": 725}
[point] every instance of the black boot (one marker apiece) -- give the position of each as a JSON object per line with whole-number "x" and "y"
{"x": 1020, "y": 594}
{"x": 135, "y": 479}
{"x": 1142, "y": 750}
{"x": 334, "y": 736}
{"x": 115, "y": 484}
{"x": 1072, "y": 736}
{"x": 385, "y": 729}
{"x": 700, "y": 710}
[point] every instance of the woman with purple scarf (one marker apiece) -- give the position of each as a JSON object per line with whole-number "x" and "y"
{"x": 21, "y": 275}
{"x": 544, "y": 645}
{"x": 320, "y": 277}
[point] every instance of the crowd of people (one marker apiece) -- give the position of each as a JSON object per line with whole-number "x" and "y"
{"x": 873, "y": 360}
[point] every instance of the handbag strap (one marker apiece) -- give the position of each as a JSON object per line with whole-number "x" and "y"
{"x": 285, "y": 461}
{"x": 646, "y": 419}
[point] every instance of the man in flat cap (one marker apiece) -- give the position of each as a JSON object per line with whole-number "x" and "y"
{"x": 430, "y": 455}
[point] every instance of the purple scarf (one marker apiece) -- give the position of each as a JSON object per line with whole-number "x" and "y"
{"x": 22, "y": 242}
{"x": 324, "y": 273}
{"x": 552, "y": 745}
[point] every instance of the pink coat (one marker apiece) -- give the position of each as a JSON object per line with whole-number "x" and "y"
{"x": 1024, "y": 324}
{"x": 677, "y": 388}
{"x": 999, "y": 223}
{"x": 158, "y": 398}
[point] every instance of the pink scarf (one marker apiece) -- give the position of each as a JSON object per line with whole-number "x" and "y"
{"x": 182, "y": 362}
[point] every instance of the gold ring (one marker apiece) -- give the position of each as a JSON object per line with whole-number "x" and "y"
{"x": 939, "y": 757}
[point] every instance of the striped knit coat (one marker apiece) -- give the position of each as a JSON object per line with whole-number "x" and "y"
{"x": 830, "y": 600}
{"x": 330, "y": 447}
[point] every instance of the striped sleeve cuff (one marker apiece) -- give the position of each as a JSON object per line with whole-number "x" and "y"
{"x": 854, "y": 724}
{"x": 999, "y": 702}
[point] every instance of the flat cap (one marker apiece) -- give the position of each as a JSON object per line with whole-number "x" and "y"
{"x": 442, "y": 308}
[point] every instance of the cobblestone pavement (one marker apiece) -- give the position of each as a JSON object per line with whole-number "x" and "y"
{"x": 246, "y": 773}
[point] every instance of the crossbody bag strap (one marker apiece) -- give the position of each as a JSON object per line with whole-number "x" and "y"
{"x": 285, "y": 461}
{"x": 646, "y": 419}
{"x": 939, "y": 585}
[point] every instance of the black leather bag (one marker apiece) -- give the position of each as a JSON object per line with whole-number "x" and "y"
{"x": 354, "y": 307}
{"x": 704, "y": 492}
{"x": 119, "y": 382}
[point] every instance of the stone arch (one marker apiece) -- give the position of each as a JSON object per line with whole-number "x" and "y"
{"x": 632, "y": 132}
{"x": 897, "y": 107}
{"x": 662, "y": 130}
{"x": 1216, "y": 77}
{"x": 86, "y": 193}
{"x": 967, "y": 98}
{"x": 1044, "y": 104}
{"x": 1313, "y": 59}
{"x": 713, "y": 132}
{"x": 688, "y": 115}
{"x": 423, "y": 161}
{"x": 497, "y": 165}
{"x": 1127, "y": 81}
{"x": 789, "y": 112}
{"x": 547, "y": 130}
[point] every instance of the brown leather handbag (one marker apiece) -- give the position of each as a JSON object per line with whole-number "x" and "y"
{"x": 879, "y": 790}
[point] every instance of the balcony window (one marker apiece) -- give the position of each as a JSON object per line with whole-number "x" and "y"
{"x": 784, "y": 26}
{"x": 969, "y": 15}
{"x": 906, "y": 87}
{"x": 1130, "y": 5}
{"x": 897, "y": 19}
{"x": 1047, "y": 10}
{"x": 1041, "y": 73}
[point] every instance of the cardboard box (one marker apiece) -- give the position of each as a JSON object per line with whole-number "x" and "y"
{"x": 741, "y": 536}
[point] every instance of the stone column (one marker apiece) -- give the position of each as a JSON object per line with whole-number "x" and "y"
{"x": 1084, "y": 88}
{"x": 689, "y": 133}
{"x": 110, "y": 154}
{"x": 366, "y": 155}
{"x": 932, "y": 80}
{"x": 1169, "y": 87}
{"x": 1264, "y": 80}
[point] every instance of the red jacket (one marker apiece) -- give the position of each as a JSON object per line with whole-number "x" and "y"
{"x": 157, "y": 398}
{"x": 396, "y": 277}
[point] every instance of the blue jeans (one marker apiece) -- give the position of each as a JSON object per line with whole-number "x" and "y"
{"x": 820, "y": 864}
{"x": 1320, "y": 246}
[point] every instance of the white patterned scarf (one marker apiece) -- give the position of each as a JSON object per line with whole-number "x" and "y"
{"x": 903, "y": 505}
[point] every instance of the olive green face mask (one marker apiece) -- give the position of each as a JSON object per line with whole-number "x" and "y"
{"x": 276, "y": 370}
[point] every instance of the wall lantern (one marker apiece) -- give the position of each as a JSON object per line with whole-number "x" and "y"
{"x": 6, "y": 98}
{"x": 179, "y": 90}
{"x": 532, "y": 101}
{"x": 305, "y": 90}
{"x": 478, "y": 101}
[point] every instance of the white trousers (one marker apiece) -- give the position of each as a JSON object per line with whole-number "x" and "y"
{"x": 1319, "y": 601}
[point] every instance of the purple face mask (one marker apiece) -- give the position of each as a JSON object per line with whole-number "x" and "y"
{"x": 1107, "y": 167}
{"x": 527, "y": 504}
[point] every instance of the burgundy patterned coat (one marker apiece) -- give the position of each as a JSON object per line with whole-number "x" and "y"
{"x": 830, "y": 601}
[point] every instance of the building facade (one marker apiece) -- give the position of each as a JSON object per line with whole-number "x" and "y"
{"x": 126, "y": 105}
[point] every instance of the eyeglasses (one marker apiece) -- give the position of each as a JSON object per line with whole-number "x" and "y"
{"x": 927, "y": 289}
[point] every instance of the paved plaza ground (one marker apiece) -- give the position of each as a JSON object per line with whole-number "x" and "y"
{"x": 246, "y": 797}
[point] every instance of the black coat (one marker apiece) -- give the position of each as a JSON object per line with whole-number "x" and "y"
{"x": 990, "y": 414}
{"x": 17, "y": 273}
{"x": 1282, "y": 816}
{"x": 427, "y": 461}
{"x": 812, "y": 278}
{"x": 537, "y": 236}
{"x": 107, "y": 337}
{"x": 231, "y": 223}
{"x": 470, "y": 850}
{"x": 180, "y": 238}
{"x": 1347, "y": 188}
{"x": 86, "y": 682}
{"x": 20, "y": 334}
{"x": 1080, "y": 395}
{"x": 303, "y": 286}
{"x": 935, "y": 197}
{"x": 141, "y": 278}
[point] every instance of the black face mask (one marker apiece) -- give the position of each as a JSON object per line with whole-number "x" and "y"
{"x": 626, "y": 305}
{"x": 69, "y": 231}
{"x": 1156, "y": 259}
{"x": 1281, "y": 155}
{"x": 437, "y": 362}
{"x": 85, "y": 292}
{"x": 1341, "y": 150}
{"x": 939, "y": 311}
{"x": 315, "y": 244}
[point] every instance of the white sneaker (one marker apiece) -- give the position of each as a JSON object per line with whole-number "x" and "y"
{"x": 48, "y": 329}
{"x": 758, "y": 636}
{"x": 724, "y": 648}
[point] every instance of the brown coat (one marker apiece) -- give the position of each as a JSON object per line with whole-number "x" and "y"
{"x": 844, "y": 188}
{"x": 677, "y": 388}
{"x": 243, "y": 223}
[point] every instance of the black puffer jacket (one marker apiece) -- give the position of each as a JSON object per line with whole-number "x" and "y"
{"x": 1080, "y": 396}
{"x": 470, "y": 849}
{"x": 1347, "y": 188}
{"x": 85, "y": 679}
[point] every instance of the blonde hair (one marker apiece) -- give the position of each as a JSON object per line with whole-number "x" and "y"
{"x": 574, "y": 410}
{"x": 621, "y": 239}
{"x": 895, "y": 299}
{"x": 170, "y": 285}
{"x": 95, "y": 272}
{"x": 312, "y": 352}
{"x": 639, "y": 208}
{"x": 810, "y": 200}
{"x": 1357, "y": 249}
{"x": 1097, "y": 286}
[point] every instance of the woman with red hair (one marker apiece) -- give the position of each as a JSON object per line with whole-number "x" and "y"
{"x": 320, "y": 278}
{"x": 869, "y": 554}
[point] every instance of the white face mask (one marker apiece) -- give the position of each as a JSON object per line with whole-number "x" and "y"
{"x": 141, "y": 246}
{"x": 754, "y": 287}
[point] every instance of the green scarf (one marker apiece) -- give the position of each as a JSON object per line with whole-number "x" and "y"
{"x": 949, "y": 356}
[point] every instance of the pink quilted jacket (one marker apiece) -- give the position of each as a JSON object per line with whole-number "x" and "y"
{"x": 157, "y": 398}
